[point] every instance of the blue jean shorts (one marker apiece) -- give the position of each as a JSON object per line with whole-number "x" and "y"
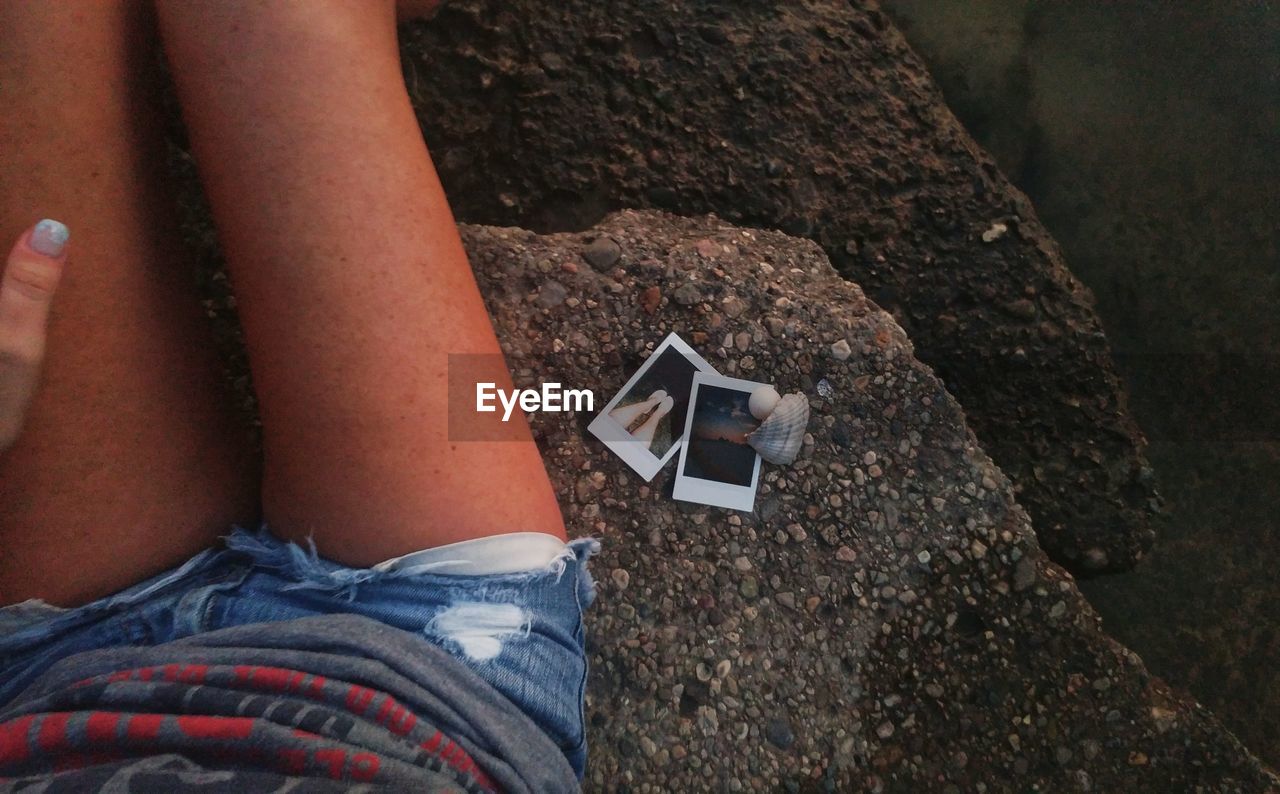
{"x": 259, "y": 578}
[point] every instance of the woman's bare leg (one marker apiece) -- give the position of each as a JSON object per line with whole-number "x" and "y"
{"x": 350, "y": 277}
{"x": 130, "y": 461}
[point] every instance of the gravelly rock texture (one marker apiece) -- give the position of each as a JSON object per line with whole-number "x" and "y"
{"x": 814, "y": 118}
{"x": 885, "y": 619}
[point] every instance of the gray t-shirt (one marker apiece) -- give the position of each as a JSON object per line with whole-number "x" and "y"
{"x": 331, "y": 703}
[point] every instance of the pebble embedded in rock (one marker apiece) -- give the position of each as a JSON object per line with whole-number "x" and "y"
{"x": 841, "y": 350}
{"x": 552, "y": 63}
{"x": 551, "y": 294}
{"x": 651, "y": 299}
{"x": 778, "y": 733}
{"x": 686, "y": 294}
{"x": 1024, "y": 573}
{"x": 708, "y": 722}
{"x": 1095, "y": 559}
{"x": 840, "y": 433}
{"x": 1021, "y": 308}
{"x": 885, "y": 729}
{"x": 648, "y": 746}
{"x": 733, "y": 306}
{"x": 602, "y": 253}
{"x": 995, "y": 232}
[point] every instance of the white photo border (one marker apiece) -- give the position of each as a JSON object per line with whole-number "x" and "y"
{"x": 710, "y": 492}
{"x": 616, "y": 437}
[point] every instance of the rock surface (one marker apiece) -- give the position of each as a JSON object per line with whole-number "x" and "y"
{"x": 885, "y": 619}
{"x": 813, "y": 118}
{"x": 1172, "y": 224}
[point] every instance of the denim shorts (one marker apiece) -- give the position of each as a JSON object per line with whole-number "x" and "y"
{"x": 536, "y": 660}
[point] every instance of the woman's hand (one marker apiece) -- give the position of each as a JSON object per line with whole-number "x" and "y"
{"x": 30, "y": 277}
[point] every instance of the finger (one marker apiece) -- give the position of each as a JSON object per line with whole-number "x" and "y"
{"x": 31, "y": 276}
{"x": 18, "y": 380}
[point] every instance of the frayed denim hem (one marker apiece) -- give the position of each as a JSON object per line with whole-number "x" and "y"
{"x": 309, "y": 571}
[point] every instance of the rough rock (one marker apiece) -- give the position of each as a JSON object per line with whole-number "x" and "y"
{"x": 913, "y": 637}
{"x": 1041, "y": 85}
{"x": 813, "y": 118}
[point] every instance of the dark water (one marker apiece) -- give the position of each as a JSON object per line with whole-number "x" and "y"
{"x": 720, "y": 461}
{"x": 1147, "y": 134}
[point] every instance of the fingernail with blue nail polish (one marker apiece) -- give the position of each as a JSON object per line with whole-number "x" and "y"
{"x": 49, "y": 237}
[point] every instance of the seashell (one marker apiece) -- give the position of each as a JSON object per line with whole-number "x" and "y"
{"x": 763, "y": 401}
{"x": 778, "y": 439}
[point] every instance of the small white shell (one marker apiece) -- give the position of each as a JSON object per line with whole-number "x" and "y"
{"x": 778, "y": 439}
{"x": 763, "y": 401}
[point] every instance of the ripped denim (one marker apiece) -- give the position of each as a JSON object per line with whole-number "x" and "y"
{"x": 521, "y": 632}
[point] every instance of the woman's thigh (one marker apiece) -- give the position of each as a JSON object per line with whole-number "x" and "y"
{"x": 132, "y": 459}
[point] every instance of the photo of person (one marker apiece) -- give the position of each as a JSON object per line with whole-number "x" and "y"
{"x": 653, "y": 409}
{"x": 643, "y": 423}
{"x": 643, "y": 418}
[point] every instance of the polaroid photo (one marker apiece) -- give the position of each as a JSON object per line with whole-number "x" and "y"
{"x": 717, "y": 466}
{"x": 643, "y": 422}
